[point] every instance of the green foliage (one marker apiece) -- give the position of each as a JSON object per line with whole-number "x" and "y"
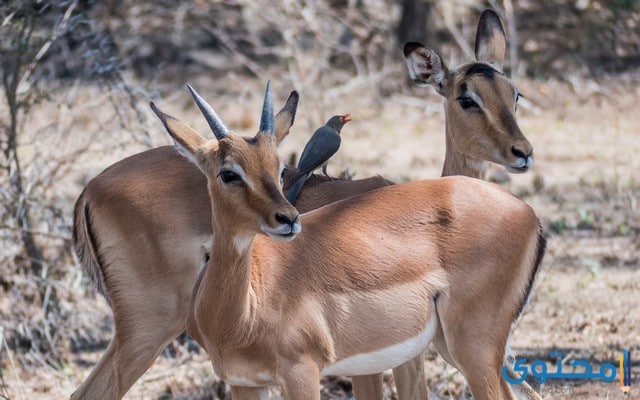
{"x": 558, "y": 226}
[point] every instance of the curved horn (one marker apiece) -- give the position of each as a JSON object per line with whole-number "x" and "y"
{"x": 267, "y": 120}
{"x": 217, "y": 127}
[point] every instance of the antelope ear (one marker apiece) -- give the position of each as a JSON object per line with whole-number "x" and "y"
{"x": 491, "y": 41}
{"x": 286, "y": 116}
{"x": 189, "y": 142}
{"x": 426, "y": 67}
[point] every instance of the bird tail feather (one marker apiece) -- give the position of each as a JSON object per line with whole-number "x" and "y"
{"x": 295, "y": 189}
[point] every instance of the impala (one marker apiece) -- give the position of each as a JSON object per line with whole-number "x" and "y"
{"x": 366, "y": 285}
{"x": 142, "y": 231}
{"x": 480, "y": 105}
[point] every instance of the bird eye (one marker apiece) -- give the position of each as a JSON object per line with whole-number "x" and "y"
{"x": 467, "y": 102}
{"x": 228, "y": 176}
{"x": 341, "y": 119}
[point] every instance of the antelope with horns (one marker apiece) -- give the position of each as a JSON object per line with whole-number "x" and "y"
{"x": 366, "y": 285}
{"x": 142, "y": 226}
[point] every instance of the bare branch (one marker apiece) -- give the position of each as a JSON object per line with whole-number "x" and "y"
{"x": 58, "y": 30}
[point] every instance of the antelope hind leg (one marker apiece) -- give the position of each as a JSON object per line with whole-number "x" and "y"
{"x": 367, "y": 387}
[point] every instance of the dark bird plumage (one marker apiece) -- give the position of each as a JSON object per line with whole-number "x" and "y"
{"x": 323, "y": 144}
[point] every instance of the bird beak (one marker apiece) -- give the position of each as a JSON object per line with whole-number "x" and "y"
{"x": 347, "y": 118}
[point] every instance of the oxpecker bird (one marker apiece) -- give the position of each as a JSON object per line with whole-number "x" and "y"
{"x": 323, "y": 144}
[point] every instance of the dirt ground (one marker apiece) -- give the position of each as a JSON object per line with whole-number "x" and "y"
{"x": 584, "y": 186}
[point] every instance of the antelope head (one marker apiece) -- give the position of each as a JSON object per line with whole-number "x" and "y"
{"x": 481, "y": 102}
{"x": 244, "y": 174}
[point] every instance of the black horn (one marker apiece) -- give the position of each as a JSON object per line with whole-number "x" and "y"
{"x": 267, "y": 120}
{"x": 217, "y": 127}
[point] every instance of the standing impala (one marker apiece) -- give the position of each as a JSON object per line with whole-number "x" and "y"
{"x": 480, "y": 126}
{"x": 366, "y": 285}
{"x": 141, "y": 227}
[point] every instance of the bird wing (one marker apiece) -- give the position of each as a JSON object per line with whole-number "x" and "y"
{"x": 324, "y": 143}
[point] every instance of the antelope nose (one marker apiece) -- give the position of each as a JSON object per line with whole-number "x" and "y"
{"x": 520, "y": 152}
{"x": 286, "y": 219}
{"x": 525, "y": 157}
{"x": 291, "y": 220}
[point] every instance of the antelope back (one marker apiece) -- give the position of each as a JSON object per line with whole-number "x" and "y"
{"x": 481, "y": 101}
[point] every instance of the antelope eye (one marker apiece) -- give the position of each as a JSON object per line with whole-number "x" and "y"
{"x": 518, "y": 96}
{"x": 228, "y": 176}
{"x": 467, "y": 102}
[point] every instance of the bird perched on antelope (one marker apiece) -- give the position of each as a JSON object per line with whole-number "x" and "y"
{"x": 323, "y": 144}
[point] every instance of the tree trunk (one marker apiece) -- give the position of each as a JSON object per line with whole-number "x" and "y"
{"x": 414, "y": 21}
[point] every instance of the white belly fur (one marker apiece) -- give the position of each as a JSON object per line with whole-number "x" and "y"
{"x": 383, "y": 359}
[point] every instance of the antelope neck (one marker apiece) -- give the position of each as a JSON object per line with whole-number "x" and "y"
{"x": 456, "y": 163}
{"x": 227, "y": 280}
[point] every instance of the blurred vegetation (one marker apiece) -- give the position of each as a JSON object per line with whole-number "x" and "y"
{"x": 126, "y": 50}
{"x": 35, "y": 257}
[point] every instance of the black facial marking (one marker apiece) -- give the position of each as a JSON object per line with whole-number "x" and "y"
{"x": 484, "y": 69}
{"x": 251, "y": 140}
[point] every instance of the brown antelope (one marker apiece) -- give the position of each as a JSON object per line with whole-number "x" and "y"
{"x": 366, "y": 285}
{"x": 141, "y": 227}
{"x": 479, "y": 99}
